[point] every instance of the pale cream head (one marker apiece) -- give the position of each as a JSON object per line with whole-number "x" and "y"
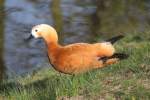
{"x": 45, "y": 31}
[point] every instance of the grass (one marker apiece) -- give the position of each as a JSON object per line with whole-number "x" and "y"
{"x": 127, "y": 80}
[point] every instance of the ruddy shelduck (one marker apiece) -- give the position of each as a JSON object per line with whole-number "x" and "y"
{"x": 78, "y": 57}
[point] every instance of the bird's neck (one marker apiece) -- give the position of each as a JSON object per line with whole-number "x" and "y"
{"x": 52, "y": 50}
{"x": 51, "y": 40}
{"x": 53, "y": 46}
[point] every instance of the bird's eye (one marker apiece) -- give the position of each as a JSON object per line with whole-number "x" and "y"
{"x": 36, "y": 30}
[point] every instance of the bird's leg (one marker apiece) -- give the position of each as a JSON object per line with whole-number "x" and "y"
{"x": 72, "y": 77}
{"x": 60, "y": 74}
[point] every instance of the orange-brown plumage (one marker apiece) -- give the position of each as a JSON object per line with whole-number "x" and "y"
{"x": 74, "y": 58}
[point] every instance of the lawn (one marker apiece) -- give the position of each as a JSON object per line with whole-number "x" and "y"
{"x": 128, "y": 79}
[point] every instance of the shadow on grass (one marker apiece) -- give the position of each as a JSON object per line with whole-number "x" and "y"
{"x": 41, "y": 89}
{"x": 45, "y": 89}
{"x": 4, "y": 87}
{"x": 49, "y": 88}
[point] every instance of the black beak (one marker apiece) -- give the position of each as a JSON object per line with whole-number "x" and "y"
{"x": 29, "y": 38}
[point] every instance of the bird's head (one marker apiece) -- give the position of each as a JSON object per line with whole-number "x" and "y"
{"x": 47, "y": 32}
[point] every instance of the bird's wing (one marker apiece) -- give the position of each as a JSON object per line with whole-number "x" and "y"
{"x": 78, "y": 47}
{"x": 96, "y": 49}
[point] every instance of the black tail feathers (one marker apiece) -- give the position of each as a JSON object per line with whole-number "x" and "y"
{"x": 120, "y": 56}
{"x": 114, "y": 39}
